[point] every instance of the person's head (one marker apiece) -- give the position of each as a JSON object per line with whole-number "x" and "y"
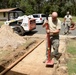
{"x": 68, "y": 13}
{"x": 54, "y": 16}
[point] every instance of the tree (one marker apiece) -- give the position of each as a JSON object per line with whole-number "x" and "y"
{"x": 41, "y": 6}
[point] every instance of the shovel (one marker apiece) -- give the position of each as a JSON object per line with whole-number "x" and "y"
{"x": 49, "y": 61}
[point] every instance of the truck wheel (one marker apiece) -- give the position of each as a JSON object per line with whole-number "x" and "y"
{"x": 19, "y": 30}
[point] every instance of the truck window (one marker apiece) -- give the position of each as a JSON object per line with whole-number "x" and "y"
{"x": 36, "y": 16}
{"x": 43, "y": 15}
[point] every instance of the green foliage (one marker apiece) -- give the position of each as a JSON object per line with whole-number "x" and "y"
{"x": 41, "y": 6}
{"x": 68, "y": 4}
{"x": 54, "y": 8}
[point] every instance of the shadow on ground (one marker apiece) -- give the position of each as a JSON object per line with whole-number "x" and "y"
{"x": 15, "y": 73}
{"x": 30, "y": 33}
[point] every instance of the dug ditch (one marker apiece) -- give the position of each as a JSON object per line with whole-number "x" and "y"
{"x": 10, "y": 55}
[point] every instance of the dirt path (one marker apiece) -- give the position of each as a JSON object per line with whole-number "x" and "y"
{"x": 33, "y": 63}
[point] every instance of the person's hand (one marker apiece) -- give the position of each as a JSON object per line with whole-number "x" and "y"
{"x": 48, "y": 31}
{"x": 51, "y": 33}
{"x": 44, "y": 24}
{"x": 63, "y": 23}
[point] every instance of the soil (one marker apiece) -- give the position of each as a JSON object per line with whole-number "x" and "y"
{"x": 10, "y": 55}
{"x": 13, "y": 46}
{"x": 33, "y": 63}
{"x": 9, "y": 38}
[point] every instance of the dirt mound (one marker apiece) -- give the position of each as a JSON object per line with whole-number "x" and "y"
{"x": 9, "y": 38}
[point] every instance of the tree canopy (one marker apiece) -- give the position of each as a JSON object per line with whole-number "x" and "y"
{"x": 41, "y": 6}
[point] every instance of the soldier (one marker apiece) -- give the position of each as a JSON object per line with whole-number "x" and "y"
{"x": 54, "y": 29}
{"x": 67, "y": 23}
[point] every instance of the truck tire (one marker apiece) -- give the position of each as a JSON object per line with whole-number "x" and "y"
{"x": 19, "y": 30}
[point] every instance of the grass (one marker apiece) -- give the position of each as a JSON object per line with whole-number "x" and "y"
{"x": 1, "y": 23}
{"x": 73, "y": 18}
{"x": 72, "y": 67}
{"x": 62, "y": 19}
{"x": 71, "y": 48}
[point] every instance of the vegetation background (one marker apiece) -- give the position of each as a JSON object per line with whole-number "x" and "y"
{"x": 42, "y": 6}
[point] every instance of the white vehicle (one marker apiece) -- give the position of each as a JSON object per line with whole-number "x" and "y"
{"x": 22, "y": 24}
{"x": 39, "y": 18}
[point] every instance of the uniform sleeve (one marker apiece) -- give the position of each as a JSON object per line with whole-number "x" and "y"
{"x": 65, "y": 17}
{"x": 70, "y": 16}
{"x": 44, "y": 22}
{"x": 59, "y": 24}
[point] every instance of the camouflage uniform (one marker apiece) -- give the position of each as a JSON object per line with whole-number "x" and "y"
{"x": 54, "y": 37}
{"x": 67, "y": 23}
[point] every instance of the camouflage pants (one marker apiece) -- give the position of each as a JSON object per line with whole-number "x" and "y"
{"x": 67, "y": 26}
{"x": 54, "y": 43}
